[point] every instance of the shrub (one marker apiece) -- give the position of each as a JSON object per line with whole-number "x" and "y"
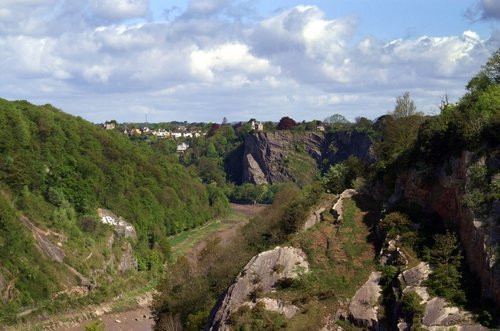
{"x": 96, "y": 325}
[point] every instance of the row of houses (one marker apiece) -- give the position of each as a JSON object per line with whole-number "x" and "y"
{"x": 163, "y": 133}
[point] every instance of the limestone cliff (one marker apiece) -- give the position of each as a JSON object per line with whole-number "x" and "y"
{"x": 261, "y": 274}
{"x": 275, "y": 157}
{"x": 445, "y": 194}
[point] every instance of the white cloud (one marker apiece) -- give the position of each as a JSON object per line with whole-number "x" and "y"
{"x": 228, "y": 58}
{"x": 119, "y": 9}
{"x": 202, "y": 67}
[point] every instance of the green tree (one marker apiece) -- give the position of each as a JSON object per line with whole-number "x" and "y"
{"x": 445, "y": 257}
{"x": 337, "y": 122}
{"x": 400, "y": 130}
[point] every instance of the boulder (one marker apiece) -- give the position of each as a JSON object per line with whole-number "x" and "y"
{"x": 279, "y": 306}
{"x": 415, "y": 276}
{"x": 363, "y": 307}
{"x": 391, "y": 253}
{"x": 439, "y": 313}
{"x": 260, "y": 275}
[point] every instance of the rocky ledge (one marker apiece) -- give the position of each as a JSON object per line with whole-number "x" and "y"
{"x": 261, "y": 274}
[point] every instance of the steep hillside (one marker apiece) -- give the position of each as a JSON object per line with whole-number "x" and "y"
{"x": 56, "y": 171}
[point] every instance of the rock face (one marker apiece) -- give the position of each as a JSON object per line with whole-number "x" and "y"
{"x": 260, "y": 275}
{"x": 120, "y": 225}
{"x": 43, "y": 242}
{"x": 364, "y": 305}
{"x": 315, "y": 215}
{"x": 391, "y": 253}
{"x": 264, "y": 152}
{"x": 445, "y": 195}
{"x": 127, "y": 260}
{"x": 337, "y": 207}
{"x": 278, "y": 306}
{"x": 438, "y": 313}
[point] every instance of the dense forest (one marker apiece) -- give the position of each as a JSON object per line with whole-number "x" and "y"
{"x": 57, "y": 170}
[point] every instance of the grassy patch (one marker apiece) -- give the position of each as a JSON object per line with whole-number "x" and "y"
{"x": 301, "y": 167}
{"x": 340, "y": 262}
{"x": 185, "y": 241}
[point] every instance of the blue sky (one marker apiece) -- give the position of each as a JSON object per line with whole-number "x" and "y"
{"x": 202, "y": 60}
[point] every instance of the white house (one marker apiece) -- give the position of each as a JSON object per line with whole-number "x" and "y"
{"x": 181, "y": 148}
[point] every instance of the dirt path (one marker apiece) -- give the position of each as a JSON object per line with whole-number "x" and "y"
{"x": 134, "y": 320}
{"x": 140, "y": 319}
{"x": 227, "y": 233}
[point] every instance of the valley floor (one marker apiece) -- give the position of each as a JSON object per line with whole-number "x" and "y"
{"x": 134, "y": 313}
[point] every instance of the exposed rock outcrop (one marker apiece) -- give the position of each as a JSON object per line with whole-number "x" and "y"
{"x": 278, "y": 306}
{"x": 438, "y": 314}
{"x": 127, "y": 260}
{"x": 444, "y": 194}
{"x": 261, "y": 274}
{"x": 315, "y": 215}
{"x": 413, "y": 278}
{"x": 363, "y": 308}
{"x": 391, "y": 253}
{"x": 43, "y": 242}
{"x": 264, "y": 152}
{"x": 119, "y": 224}
{"x": 338, "y": 206}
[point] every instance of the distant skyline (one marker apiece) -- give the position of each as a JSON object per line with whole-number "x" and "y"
{"x": 203, "y": 60}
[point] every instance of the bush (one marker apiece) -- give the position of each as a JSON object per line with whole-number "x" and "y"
{"x": 96, "y": 325}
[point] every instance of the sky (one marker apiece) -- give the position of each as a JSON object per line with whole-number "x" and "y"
{"x": 203, "y": 60}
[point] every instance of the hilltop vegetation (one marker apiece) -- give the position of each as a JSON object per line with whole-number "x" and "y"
{"x": 57, "y": 170}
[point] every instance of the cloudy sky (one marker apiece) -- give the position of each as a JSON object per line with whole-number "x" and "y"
{"x": 202, "y": 60}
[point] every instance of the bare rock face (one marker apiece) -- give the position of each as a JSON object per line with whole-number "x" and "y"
{"x": 364, "y": 305}
{"x": 264, "y": 152}
{"x": 43, "y": 242}
{"x": 278, "y": 306}
{"x": 338, "y": 206}
{"x": 391, "y": 253}
{"x": 120, "y": 225}
{"x": 127, "y": 260}
{"x": 255, "y": 174}
{"x": 445, "y": 195}
{"x": 439, "y": 314}
{"x": 261, "y": 273}
{"x": 314, "y": 216}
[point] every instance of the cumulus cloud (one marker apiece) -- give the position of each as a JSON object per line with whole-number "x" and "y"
{"x": 84, "y": 57}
